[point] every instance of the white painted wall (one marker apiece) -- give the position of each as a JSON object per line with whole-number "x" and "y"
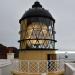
{"x": 69, "y": 69}
{"x": 5, "y": 67}
{"x": 10, "y": 56}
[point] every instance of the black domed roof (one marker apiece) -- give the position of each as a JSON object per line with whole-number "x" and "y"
{"x": 36, "y": 11}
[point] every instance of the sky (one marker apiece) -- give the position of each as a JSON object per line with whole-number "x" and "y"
{"x": 62, "y": 10}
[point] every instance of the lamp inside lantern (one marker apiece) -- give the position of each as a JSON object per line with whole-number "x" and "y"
{"x": 36, "y": 35}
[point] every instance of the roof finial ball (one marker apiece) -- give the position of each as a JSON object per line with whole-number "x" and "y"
{"x": 36, "y": 4}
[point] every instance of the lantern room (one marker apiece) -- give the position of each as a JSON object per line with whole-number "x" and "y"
{"x": 39, "y": 28}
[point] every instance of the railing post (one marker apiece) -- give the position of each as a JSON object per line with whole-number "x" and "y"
{"x": 38, "y": 66}
{"x": 47, "y": 66}
{"x": 20, "y": 65}
{"x": 28, "y": 66}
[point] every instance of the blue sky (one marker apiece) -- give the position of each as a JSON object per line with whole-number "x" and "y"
{"x": 62, "y": 10}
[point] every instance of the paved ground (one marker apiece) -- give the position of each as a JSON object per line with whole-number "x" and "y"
{"x": 52, "y": 73}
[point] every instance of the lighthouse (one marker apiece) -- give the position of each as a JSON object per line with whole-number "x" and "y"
{"x": 37, "y": 34}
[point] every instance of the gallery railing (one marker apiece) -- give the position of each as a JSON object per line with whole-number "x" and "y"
{"x": 38, "y": 66}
